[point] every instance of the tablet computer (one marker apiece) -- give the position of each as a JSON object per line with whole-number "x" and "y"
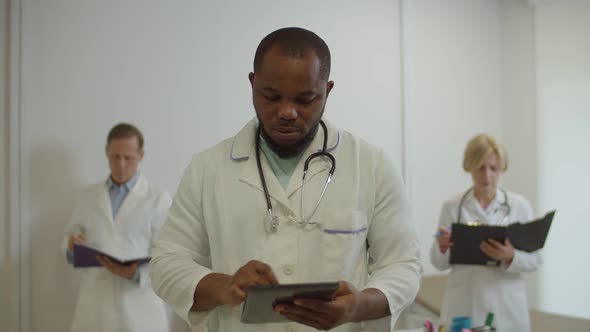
{"x": 261, "y": 299}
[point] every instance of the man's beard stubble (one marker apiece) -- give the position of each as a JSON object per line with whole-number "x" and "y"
{"x": 285, "y": 152}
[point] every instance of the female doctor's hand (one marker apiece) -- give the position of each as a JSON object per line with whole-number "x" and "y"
{"x": 124, "y": 271}
{"x": 497, "y": 250}
{"x": 348, "y": 305}
{"x": 443, "y": 237}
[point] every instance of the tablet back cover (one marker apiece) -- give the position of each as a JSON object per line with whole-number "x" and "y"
{"x": 258, "y": 307}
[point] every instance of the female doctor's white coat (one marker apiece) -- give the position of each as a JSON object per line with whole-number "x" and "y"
{"x": 476, "y": 290}
{"x": 216, "y": 223}
{"x": 107, "y": 302}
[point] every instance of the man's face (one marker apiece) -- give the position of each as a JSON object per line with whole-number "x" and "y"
{"x": 124, "y": 156}
{"x": 289, "y": 98}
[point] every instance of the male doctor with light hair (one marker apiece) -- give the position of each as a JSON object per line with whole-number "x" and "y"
{"x": 120, "y": 215}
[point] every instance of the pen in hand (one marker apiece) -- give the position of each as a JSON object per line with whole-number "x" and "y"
{"x": 443, "y": 237}
{"x": 440, "y": 232}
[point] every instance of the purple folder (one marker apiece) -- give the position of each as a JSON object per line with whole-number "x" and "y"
{"x": 85, "y": 256}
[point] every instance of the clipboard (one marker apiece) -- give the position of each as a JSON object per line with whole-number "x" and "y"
{"x": 529, "y": 237}
{"x": 85, "y": 256}
{"x": 261, "y": 299}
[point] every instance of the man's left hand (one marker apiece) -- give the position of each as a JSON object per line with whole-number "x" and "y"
{"x": 124, "y": 271}
{"x": 324, "y": 315}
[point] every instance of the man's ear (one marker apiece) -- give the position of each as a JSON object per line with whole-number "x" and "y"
{"x": 141, "y": 153}
{"x": 251, "y": 79}
{"x": 329, "y": 87}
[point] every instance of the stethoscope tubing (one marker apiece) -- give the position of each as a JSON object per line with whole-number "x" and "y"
{"x": 460, "y": 208}
{"x": 321, "y": 153}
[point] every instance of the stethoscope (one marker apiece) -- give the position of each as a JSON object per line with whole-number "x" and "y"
{"x": 273, "y": 220}
{"x": 504, "y": 205}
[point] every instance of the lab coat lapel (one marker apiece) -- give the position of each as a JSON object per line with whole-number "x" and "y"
{"x": 104, "y": 201}
{"x": 478, "y": 211}
{"x": 243, "y": 151}
{"x": 472, "y": 210}
{"x": 130, "y": 202}
{"x": 494, "y": 206}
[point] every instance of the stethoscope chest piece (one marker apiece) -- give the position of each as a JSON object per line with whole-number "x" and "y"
{"x": 271, "y": 222}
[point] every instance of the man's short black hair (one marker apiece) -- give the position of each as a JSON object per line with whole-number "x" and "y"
{"x": 295, "y": 42}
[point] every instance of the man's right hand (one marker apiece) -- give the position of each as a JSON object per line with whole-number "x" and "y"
{"x": 252, "y": 274}
{"x": 75, "y": 238}
{"x": 221, "y": 289}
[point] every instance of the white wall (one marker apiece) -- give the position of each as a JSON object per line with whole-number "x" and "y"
{"x": 178, "y": 70}
{"x": 518, "y": 115}
{"x": 563, "y": 83}
{"x": 10, "y": 272}
{"x": 4, "y": 225}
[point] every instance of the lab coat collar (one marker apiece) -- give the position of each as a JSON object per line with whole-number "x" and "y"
{"x": 499, "y": 198}
{"x": 127, "y": 185}
{"x": 104, "y": 201}
{"x": 129, "y": 204}
{"x": 244, "y": 142}
{"x": 243, "y": 150}
{"x": 472, "y": 201}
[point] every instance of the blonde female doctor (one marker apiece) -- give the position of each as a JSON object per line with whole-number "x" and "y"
{"x": 474, "y": 290}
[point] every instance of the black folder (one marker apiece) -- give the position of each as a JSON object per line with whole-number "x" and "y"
{"x": 467, "y": 238}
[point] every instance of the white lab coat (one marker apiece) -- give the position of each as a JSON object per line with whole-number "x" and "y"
{"x": 107, "y": 302}
{"x": 476, "y": 290}
{"x": 216, "y": 223}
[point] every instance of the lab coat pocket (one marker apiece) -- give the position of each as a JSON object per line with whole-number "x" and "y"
{"x": 344, "y": 235}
